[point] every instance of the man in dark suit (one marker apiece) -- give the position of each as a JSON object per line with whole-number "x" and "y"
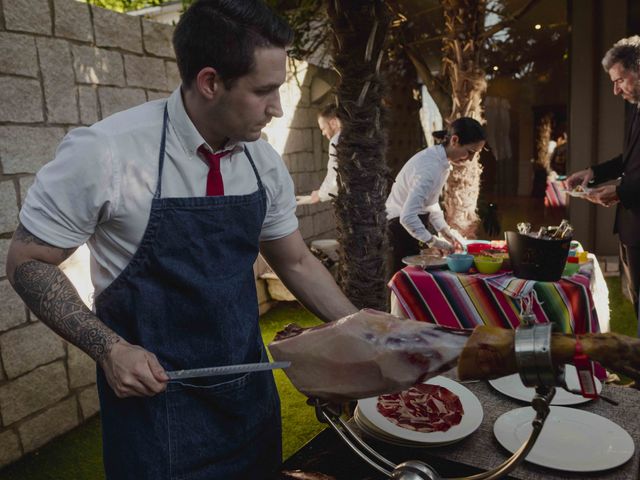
{"x": 622, "y": 62}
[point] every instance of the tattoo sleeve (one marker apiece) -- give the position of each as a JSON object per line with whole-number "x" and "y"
{"x": 51, "y": 296}
{"x": 53, "y": 299}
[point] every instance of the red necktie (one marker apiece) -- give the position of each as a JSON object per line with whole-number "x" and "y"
{"x": 214, "y": 179}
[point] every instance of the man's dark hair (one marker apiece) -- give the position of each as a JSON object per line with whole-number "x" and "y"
{"x": 467, "y": 129}
{"x": 439, "y": 137}
{"x": 626, "y": 52}
{"x": 329, "y": 111}
{"x": 224, "y": 34}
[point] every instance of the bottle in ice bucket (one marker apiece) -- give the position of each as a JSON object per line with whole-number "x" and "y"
{"x": 541, "y": 254}
{"x": 564, "y": 230}
{"x": 524, "y": 228}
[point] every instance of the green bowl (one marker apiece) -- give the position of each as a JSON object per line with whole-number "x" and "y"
{"x": 570, "y": 269}
{"x": 487, "y": 264}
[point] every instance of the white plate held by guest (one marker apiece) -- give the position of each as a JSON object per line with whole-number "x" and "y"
{"x": 578, "y": 192}
{"x": 512, "y": 386}
{"x": 571, "y": 440}
{"x": 471, "y": 419}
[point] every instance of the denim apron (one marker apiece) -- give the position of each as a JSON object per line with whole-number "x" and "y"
{"x": 188, "y": 295}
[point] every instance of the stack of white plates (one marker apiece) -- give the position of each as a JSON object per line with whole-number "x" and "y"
{"x": 374, "y": 424}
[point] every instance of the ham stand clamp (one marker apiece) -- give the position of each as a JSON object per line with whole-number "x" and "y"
{"x": 536, "y": 369}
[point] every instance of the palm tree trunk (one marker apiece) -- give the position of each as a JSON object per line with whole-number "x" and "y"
{"x": 360, "y": 28}
{"x": 464, "y": 24}
{"x": 541, "y": 165}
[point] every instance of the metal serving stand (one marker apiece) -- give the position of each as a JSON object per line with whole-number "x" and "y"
{"x": 536, "y": 369}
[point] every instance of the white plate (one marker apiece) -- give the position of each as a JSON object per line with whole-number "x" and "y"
{"x": 512, "y": 386}
{"x": 471, "y": 419}
{"x": 573, "y": 193}
{"x": 571, "y": 440}
{"x": 425, "y": 261}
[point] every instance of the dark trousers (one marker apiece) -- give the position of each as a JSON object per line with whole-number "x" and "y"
{"x": 402, "y": 243}
{"x": 630, "y": 262}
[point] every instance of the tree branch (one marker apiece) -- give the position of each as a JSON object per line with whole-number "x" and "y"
{"x": 438, "y": 92}
{"x": 422, "y": 41}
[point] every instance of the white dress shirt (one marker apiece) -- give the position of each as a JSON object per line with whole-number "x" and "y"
{"x": 417, "y": 189}
{"x": 98, "y": 188}
{"x": 330, "y": 182}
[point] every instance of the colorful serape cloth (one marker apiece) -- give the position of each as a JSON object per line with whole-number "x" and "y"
{"x": 467, "y": 300}
{"x": 460, "y": 300}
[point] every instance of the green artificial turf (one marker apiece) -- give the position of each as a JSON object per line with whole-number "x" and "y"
{"x": 623, "y": 318}
{"x": 77, "y": 455}
{"x": 299, "y": 422}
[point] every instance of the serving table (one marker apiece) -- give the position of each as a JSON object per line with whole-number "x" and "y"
{"x": 575, "y": 304}
{"x": 326, "y": 454}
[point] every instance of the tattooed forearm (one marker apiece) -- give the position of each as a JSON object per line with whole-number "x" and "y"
{"x": 51, "y": 296}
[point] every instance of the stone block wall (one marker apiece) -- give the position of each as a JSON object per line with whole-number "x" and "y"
{"x": 65, "y": 64}
{"x": 303, "y": 148}
{"x": 305, "y": 151}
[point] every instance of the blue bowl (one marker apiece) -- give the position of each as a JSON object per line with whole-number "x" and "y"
{"x": 460, "y": 262}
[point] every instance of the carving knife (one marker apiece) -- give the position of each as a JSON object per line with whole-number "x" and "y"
{"x": 226, "y": 370}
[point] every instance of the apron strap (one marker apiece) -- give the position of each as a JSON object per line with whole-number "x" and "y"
{"x": 255, "y": 170}
{"x": 162, "y": 148}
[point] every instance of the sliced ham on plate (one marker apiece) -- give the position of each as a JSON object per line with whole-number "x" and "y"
{"x": 423, "y": 408}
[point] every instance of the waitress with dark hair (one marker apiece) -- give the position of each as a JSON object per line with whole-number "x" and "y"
{"x": 412, "y": 206}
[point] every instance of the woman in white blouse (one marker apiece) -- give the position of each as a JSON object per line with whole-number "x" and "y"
{"x": 412, "y": 206}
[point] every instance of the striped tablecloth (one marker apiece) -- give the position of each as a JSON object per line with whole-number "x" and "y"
{"x": 555, "y": 194}
{"x": 466, "y": 300}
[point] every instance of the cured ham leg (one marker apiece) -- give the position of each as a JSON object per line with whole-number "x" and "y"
{"x": 372, "y": 353}
{"x": 365, "y": 354}
{"x": 490, "y": 352}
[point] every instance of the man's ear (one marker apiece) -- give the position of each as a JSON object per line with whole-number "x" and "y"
{"x": 454, "y": 140}
{"x": 208, "y": 82}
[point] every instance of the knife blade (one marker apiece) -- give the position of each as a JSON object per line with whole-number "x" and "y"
{"x": 226, "y": 370}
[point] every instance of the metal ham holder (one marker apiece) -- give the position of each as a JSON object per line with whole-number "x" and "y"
{"x": 533, "y": 359}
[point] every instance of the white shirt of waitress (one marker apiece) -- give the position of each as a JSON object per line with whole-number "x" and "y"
{"x": 419, "y": 184}
{"x": 417, "y": 190}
